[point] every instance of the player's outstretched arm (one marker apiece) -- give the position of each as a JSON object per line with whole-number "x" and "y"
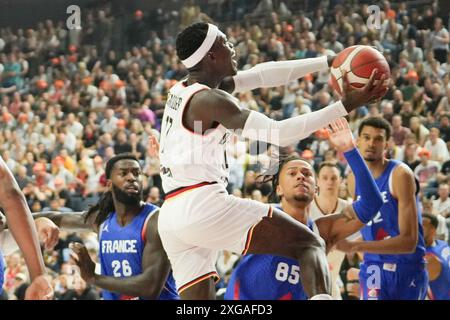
{"x": 339, "y": 226}
{"x": 274, "y": 74}
{"x": 148, "y": 284}
{"x": 216, "y": 106}
{"x": 71, "y": 221}
{"x": 404, "y": 190}
{"x": 48, "y": 234}
{"x": 23, "y": 229}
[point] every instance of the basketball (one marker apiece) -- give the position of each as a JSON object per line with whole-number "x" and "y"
{"x": 359, "y": 62}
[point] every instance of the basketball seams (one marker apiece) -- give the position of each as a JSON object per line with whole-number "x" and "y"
{"x": 346, "y": 63}
{"x": 360, "y": 66}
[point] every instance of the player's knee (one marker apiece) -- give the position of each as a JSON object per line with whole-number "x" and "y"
{"x": 320, "y": 243}
{"x": 317, "y": 242}
{"x": 313, "y": 244}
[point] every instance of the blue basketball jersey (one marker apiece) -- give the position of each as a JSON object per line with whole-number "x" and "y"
{"x": 385, "y": 224}
{"x": 121, "y": 250}
{"x": 266, "y": 277}
{"x": 440, "y": 287}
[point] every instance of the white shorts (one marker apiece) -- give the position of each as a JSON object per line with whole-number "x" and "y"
{"x": 197, "y": 223}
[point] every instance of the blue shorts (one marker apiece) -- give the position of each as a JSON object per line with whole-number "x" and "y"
{"x": 393, "y": 281}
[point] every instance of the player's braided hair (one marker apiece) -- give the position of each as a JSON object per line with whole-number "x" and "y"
{"x": 190, "y": 39}
{"x": 275, "y": 178}
{"x": 106, "y": 204}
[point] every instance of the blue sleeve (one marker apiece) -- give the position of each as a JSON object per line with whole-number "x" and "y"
{"x": 370, "y": 201}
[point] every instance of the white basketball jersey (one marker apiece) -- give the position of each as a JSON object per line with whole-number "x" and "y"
{"x": 188, "y": 158}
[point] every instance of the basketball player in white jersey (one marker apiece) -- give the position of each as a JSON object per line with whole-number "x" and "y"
{"x": 199, "y": 218}
{"x": 325, "y": 202}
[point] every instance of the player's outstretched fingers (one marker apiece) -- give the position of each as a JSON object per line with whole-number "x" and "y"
{"x": 345, "y": 83}
{"x": 380, "y": 89}
{"x": 330, "y": 130}
{"x": 344, "y": 123}
{"x": 334, "y": 126}
{"x": 370, "y": 84}
{"x": 340, "y": 124}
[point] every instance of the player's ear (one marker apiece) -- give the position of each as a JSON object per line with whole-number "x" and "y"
{"x": 279, "y": 191}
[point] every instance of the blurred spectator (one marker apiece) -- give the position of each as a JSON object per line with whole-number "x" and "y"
{"x": 441, "y": 205}
{"x": 399, "y": 132}
{"x": 154, "y": 196}
{"x": 440, "y": 40}
{"x": 63, "y": 286}
{"x": 100, "y": 101}
{"x": 437, "y": 146}
{"x": 410, "y": 155}
{"x": 14, "y": 266}
{"x": 419, "y": 130}
{"x": 122, "y": 145}
{"x": 413, "y": 53}
{"x": 81, "y": 290}
{"x": 20, "y": 286}
{"x": 442, "y": 230}
{"x": 55, "y": 204}
{"x": 426, "y": 171}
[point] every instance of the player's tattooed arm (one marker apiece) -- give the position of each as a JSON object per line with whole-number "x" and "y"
{"x": 338, "y": 226}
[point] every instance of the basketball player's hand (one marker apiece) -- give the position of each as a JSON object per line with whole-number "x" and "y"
{"x": 345, "y": 246}
{"x": 83, "y": 261}
{"x": 39, "y": 289}
{"x": 372, "y": 92}
{"x": 340, "y": 135}
{"x": 48, "y": 232}
{"x": 153, "y": 147}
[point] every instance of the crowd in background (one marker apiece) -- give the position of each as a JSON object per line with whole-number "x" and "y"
{"x": 72, "y": 99}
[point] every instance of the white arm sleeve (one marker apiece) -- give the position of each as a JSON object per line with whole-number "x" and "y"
{"x": 286, "y": 132}
{"x": 277, "y": 73}
{"x": 7, "y": 243}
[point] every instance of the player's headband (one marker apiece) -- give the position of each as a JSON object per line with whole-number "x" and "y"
{"x": 198, "y": 55}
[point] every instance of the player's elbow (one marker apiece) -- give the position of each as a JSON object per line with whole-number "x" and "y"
{"x": 151, "y": 291}
{"x": 151, "y": 286}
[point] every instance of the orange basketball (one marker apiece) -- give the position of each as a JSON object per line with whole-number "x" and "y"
{"x": 359, "y": 62}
